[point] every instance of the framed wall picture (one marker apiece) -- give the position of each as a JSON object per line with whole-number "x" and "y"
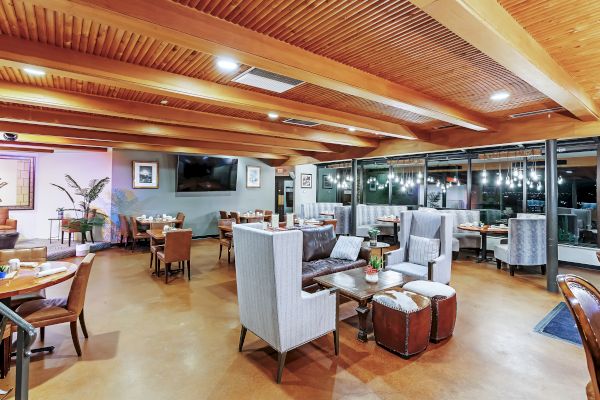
{"x": 252, "y": 177}
{"x": 327, "y": 182}
{"x": 373, "y": 186}
{"x": 306, "y": 181}
{"x": 145, "y": 175}
{"x": 17, "y": 178}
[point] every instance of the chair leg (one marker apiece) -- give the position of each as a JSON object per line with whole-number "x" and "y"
{"x": 543, "y": 269}
{"x": 82, "y": 323}
{"x": 220, "y": 251}
{"x": 189, "y": 271}
{"x": 280, "y": 364}
{"x": 42, "y": 333}
{"x": 132, "y": 245}
{"x": 92, "y": 236}
{"x": 336, "y": 342}
{"x": 70, "y": 234}
{"x": 121, "y": 241}
{"x": 62, "y": 237}
{"x": 167, "y": 270}
{"x": 498, "y": 264}
{"x": 151, "y": 258}
{"x": 75, "y": 338}
{"x": 242, "y": 338}
{"x": 511, "y": 269}
{"x": 455, "y": 255}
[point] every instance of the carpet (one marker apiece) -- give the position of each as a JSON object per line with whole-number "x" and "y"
{"x": 57, "y": 251}
{"x": 559, "y": 324}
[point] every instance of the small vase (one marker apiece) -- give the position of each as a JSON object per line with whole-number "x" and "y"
{"x": 373, "y": 240}
{"x": 60, "y": 214}
{"x": 372, "y": 278}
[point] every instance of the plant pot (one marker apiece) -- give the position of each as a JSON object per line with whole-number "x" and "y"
{"x": 373, "y": 241}
{"x": 61, "y": 214}
{"x": 82, "y": 250}
{"x": 372, "y": 278}
{"x": 3, "y": 275}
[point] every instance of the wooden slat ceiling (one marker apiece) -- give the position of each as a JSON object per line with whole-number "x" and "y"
{"x": 569, "y": 31}
{"x": 389, "y": 38}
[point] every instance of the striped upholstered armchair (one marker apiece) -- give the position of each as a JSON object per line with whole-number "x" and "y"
{"x": 271, "y": 302}
{"x": 526, "y": 244}
{"x": 314, "y": 210}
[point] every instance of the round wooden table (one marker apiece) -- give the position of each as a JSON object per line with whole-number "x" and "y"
{"x": 483, "y": 231}
{"x": 26, "y": 282}
{"x": 391, "y": 220}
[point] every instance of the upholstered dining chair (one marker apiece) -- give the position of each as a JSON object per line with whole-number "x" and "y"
{"x": 526, "y": 244}
{"x": 271, "y": 302}
{"x": 259, "y": 211}
{"x": 421, "y": 233}
{"x": 46, "y": 312}
{"x": 124, "y": 230}
{"x": 136, "y": 235}
{"x": 225, "y": 237}
{"x": 177, "y": 249}
{"x": 33, "y": 254}
{"x": 223, "y": 214}
{"x": 330, "y": 222}
{"x": 5, "y": 222}
{"x": 235, "y": 215}
{"x": 583, "y": 300}
{"x": 181, "y": 218}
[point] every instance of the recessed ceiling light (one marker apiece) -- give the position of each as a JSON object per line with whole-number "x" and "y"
{"x": 499, "y": 96}
{"x": 352, "y": 129}
{"x": 227, "y": 64}
{"x": 273, "y": 115}
{"x": 34, "y": 71}
{"x": 569, "y": 171}
{"x": 164, "y": 102}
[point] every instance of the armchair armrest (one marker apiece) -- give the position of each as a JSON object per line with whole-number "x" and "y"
{"x": 394, "y": 256}
{"x": 431, "y": 265}
{"x": 12, "y": 223}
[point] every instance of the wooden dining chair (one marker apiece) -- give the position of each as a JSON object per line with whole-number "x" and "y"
{"x": 259, "y": 211}
{"x": 236, "y": 216}
{"x": 223, "y": 214}
{"x": 583, "y": 299}
{"x": 124, "y": 230}
{"x": 225, "y": 237}
{"x": 136, "y": 235}
{"x": 181, "y": 218}
{"x": 46, "y": 312}
{"x": 268, "y": 215}
{"x": 330, "y": 222}
{"x": 177, "y": 249}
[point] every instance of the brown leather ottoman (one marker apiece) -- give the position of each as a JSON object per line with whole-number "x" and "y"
{"x": 443, "y": 305}
{"x": 402, "y": 321}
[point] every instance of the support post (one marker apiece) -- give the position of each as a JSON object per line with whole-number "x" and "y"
{"x": 354, "y": 198}
{"x": 391, "y": 181}
{"x": 425, "y": 182}
{"x": 524, "y": 183}
{"x": 469, "y": 181}
{"x": 551, "y": 216}
{"x": 597, "y": 192}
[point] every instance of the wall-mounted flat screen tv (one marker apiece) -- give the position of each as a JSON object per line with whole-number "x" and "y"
{"x": 206, "y": 174}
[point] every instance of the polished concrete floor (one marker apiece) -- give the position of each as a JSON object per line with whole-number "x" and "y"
{"x": 149, "y": 340}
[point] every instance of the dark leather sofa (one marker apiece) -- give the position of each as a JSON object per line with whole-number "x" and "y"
{"x": 317, "y": 244}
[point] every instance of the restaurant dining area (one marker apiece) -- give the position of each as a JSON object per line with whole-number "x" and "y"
{"x": 286, "y": 199}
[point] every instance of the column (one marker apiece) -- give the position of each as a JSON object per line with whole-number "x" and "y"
{"x": 354, "y": 199}
{"x": 469, "y": 182}
{"x": 425, "y": 183}
{"x": 391, "y": 181}
{"x": 524, "y": 183}
{"x": 551, "y": 216}
{"x": 597, "y": 193}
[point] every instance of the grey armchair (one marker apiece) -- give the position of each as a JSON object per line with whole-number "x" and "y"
{"x": 427, "y": 225}
{"x": 526, "y": 244}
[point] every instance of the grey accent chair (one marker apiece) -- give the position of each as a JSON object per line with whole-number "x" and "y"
{"x": 314, "y": 210}
{"x": 343, "y": 215}
{"x": 271, "y": 302}
{"x": 367, "y": 215}
{"x": 526, "y": 244}
{"x": 428, "y": 225}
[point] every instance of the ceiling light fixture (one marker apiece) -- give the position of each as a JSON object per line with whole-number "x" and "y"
{"x": 352, "y": 129}
{"x": 227, "y": 64}
{"x": 34, "y": 71}
{"x": 164, "y": 102}
{"x": 499, "y": 96}
{"x": 273, "y": 115}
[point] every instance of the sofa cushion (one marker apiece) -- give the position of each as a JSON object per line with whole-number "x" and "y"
{"x": 327, "y": 266}
{"x": 421, "y": 250}
{"x": 410, "y": 269}
{"x": 347, "y": 248}
{"x": 317, "y": 242}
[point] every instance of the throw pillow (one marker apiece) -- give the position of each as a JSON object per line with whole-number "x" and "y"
{"x": 421, "y": 250}
{"x": 347, "y": 248}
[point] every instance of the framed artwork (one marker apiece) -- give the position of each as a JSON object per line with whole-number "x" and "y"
{"x": 252, "y": 177}
{"x": 145, "y": 175}
{"x": 373, "y": 186}
{"x": 327, "y": 183}
{"x": 17, "y": 178}
{"x": 306, "y": 181}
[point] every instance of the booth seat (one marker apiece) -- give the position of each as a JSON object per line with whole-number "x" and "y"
{"x": 366, "y": 218}
{"x": 314, "y": 210}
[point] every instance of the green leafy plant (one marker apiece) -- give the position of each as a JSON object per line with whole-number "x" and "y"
{"x": 376, "y": 262}
{"x": 433, "y": 199}
{"x": 85, "y": 220}
{"x": 374, "y": 232}
{"x": 4, "y": 268}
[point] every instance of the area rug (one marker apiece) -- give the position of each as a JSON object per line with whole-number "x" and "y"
{"x": 57, "y": 251}
{"x": 559, "y": 324}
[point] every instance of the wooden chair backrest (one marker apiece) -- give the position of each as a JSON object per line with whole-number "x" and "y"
{"x": 178, "y": 245}
{"x": 76, "y": 298}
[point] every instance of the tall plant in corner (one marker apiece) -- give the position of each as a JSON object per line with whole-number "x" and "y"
{"x": 84, "y": 222}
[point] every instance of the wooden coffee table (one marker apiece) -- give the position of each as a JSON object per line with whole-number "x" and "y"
{"x": 353, "y": 285}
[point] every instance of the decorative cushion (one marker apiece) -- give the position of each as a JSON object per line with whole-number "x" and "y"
{"x": 347, "y": 248}
{"x": 317, "y": 243}
{"x": 421, "y": 250}
{"x": 429, "y": 289}
{"x": 397, "y": 300}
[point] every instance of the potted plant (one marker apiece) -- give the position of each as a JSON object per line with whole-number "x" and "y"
{"x": 61, "y": 212}
{"x": 86, "y": 218}
{"x": 4, "y": 270}
{"x": 372, "y": 270}
{"x": 373, "y": 233}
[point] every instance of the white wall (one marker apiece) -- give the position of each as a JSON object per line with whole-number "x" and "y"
{"x": 51, "y": 168}
{"x": 304, "y": 195}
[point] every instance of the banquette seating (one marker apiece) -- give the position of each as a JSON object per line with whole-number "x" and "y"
{"x": 314, "y": 210}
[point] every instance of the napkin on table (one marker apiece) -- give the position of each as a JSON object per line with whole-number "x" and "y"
{"x": 50, "y": 271}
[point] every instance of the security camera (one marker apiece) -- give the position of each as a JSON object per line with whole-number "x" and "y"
{"x": 11, "y": 137}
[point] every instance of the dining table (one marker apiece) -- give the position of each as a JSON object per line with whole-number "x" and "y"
{"x": 392, "y": 220}
{"x": 250, "y": 217}
{"x": 484, "y": 230}
{"x": 156, "y": 223}
{"x": 25, "y": 281}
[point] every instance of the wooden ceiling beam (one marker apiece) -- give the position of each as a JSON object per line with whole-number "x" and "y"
{"x": 4, "y": 147}
{"x": 72, "y": 64}
{"x": 93, "y": 122}
{"x": 110, "y": 139}
{"x": 20, "y": 143}
{"x": 174, "y": 23}
{"x": 487, "y": 26}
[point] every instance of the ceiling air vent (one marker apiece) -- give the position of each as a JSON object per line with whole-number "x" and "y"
{"x": 537, "y": 112}
{"x": 266, "y": 80}
{"x": 300, "y": 122}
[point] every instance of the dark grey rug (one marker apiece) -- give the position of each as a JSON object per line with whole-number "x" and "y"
{"x": 559, "y": 324}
